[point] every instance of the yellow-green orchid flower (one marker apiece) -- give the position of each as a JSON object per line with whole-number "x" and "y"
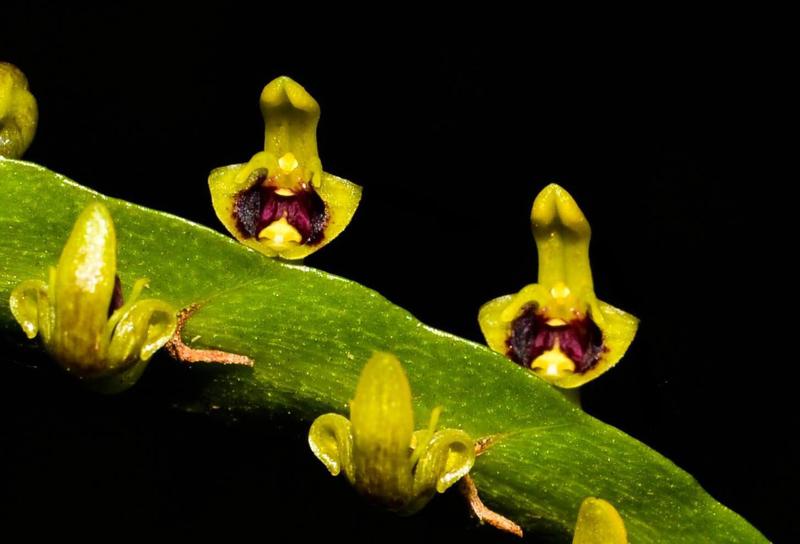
{"x": 557, "y": 327}
{"x": 81, "y": 316}
{"x": 18, "y": 112}
{"x": 281, "y": 203}
{"x": 599, "y": 523}
{"x": 379, "y": 451}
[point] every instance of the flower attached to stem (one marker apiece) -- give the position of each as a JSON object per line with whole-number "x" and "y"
{"x": 81, "y": 316}
{"x": 18, "y": 112}
{"x": 599, "y": 523}
{"x": 281, "y": 203}
{"x": 557, "y": 327}
{"x": 379, "y": 451}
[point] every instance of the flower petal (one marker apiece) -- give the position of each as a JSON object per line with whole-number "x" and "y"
{"x": 383, "y": 423}
{"x": 449, "y": 456}
{"x": 331, "y": 440}
{"x": 562, "y": 236}
{"x": 599, "y": 523}
{"x": 140, "y": 332}
{"x": 290, "y": 117}
{"x": 30, "y": 306}
{"x": 83, "y": 286}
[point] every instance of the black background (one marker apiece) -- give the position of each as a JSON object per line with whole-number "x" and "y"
{"x": 451, "y": 130}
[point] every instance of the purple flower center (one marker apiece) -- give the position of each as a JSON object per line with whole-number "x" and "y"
{"x": 581, "y": 339}
{"x": 117, "y": 300}
{"x": 261, "y": 205}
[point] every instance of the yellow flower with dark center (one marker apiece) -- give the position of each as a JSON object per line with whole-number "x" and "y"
{"x": 81, "y": 316}
{"x": 281, "y": 203}
{"x": 557, "y": 327}
{"x": 379, "y": 451}
{"x": 18, "y": 112}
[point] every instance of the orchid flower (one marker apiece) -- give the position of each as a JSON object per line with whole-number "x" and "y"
{"x": 281, "y": 203}
{"x": 557, "y": 327}
{"x": 81, "y": 316}
{"x": 379, "y": 451}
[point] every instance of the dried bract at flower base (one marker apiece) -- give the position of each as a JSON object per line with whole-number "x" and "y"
{"x": 281, "y": 203}
{"x": 557, "y": 327}
{"x": 81, "y": 316}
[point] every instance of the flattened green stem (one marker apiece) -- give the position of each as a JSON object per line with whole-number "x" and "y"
{"x": 315, "y": 330}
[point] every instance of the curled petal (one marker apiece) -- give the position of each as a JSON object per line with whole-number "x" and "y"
{"x": 140, "y": 332}
{"x": 448, "y": 457}
{"x": 331, "y": 441}
{"x": 18, "y": 112}
{"x": 30, "y": 306}
{"x": 599, "y": 523}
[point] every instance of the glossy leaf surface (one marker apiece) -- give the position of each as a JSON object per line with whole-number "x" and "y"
{"x": 310, "y": 334}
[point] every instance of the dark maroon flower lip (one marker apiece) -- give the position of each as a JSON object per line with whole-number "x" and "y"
{"x": 263, "y": 203}
{"x": 117, "y": 300}
{"x": 580, "y": 339}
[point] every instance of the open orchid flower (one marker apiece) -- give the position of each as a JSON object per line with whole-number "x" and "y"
{"x": 281, "y": 203}
{"x": 377, "y": 448}
{"x": 81, "y": 316}
{"x": 18, "y": 112}
{"x": 557, "y": 327}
